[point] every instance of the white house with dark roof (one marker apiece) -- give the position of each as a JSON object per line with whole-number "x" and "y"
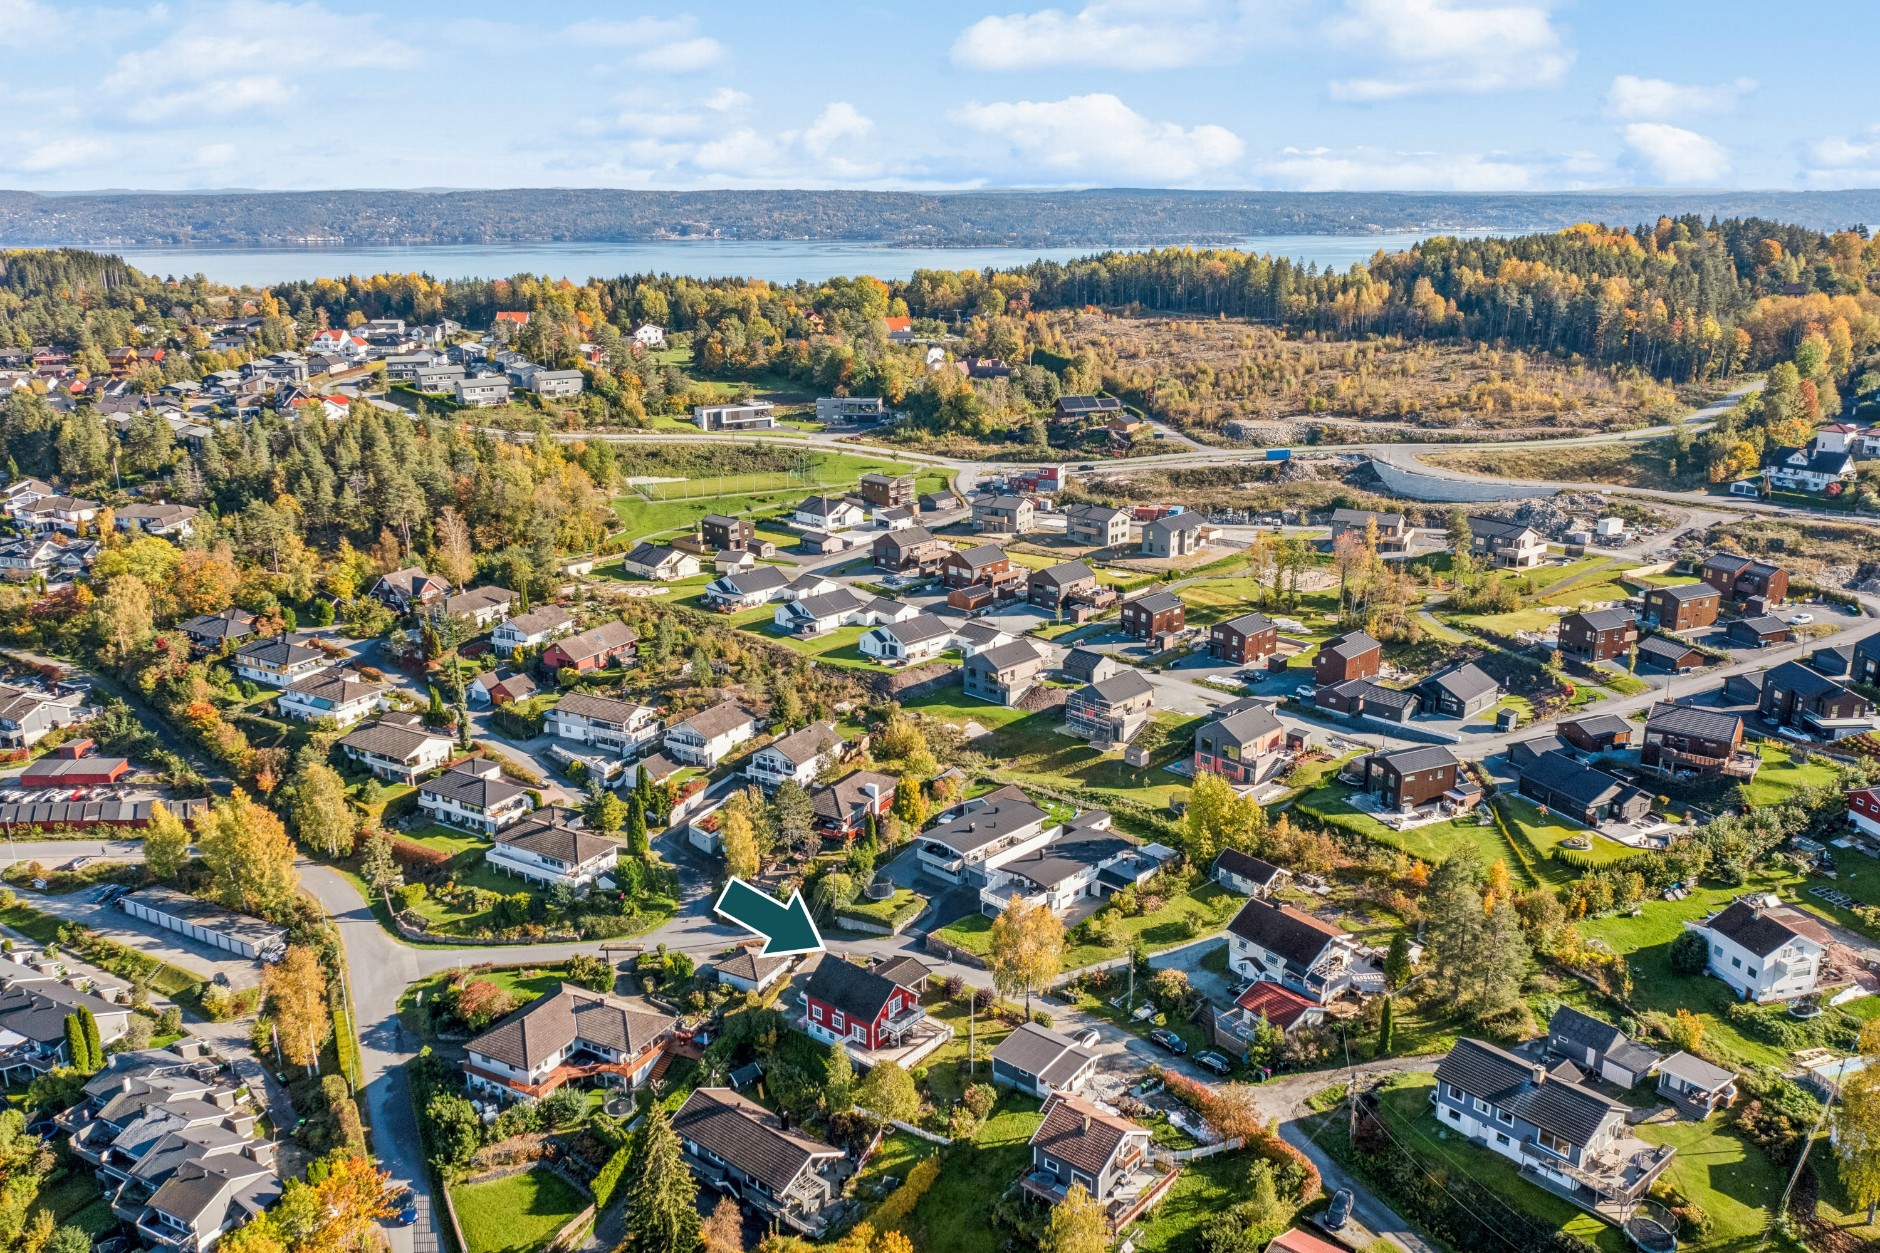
{"x": 345, "y": 696}
{"x": 1764, "y": 950}
{"x": 1081, "y": 1143}
{"x": 158, "y": 518}
{"x": 27, "y": 714}
{"x": 1599, "y": 1048}
{"x": 704, "y": 738}
{"x": 1001, "y": 821}
{"x": 547, "y": 847}
{"x": 1285, "y": 945}
{"x": 410, "y": 587}
{"x": 830, "y": 513}
{"x": 277, "y": 661}
{"x": 659, "y": 563}
{"x": 484, "y": 606}
{"x": 622, "y": 727}
{"x": 746, "y": 971}
{"x": 567, "y": 1035}
{"x": 797, "y": 757}
{"x": 474, "y": 795}
{"x": 747, "y": 590}
{"x": 1248, "y": 875}
{"x": 533, "y": 629}
{"x": 397, "y": 747}
{"x": 1551, "y": 1126}
{"x": 905, "y": 643}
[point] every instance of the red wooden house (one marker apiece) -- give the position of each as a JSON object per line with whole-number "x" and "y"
{"x": 846, "y": 1004}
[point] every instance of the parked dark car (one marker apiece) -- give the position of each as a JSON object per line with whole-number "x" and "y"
{"x": 1338, "y": 1213}
{"x": 404, "y": 1209}
{"x": 1162, "y": 1037}
{"x": 1214, "y": 1061}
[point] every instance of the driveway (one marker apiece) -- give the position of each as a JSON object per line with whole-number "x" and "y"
{"x": 114, "y": 924}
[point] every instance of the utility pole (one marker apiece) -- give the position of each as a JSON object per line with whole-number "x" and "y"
{"x": 972, "y": 1035}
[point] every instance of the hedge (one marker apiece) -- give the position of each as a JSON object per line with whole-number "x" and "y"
{"x": 894, "y": 1211}
{"x": 608, "y": 1180}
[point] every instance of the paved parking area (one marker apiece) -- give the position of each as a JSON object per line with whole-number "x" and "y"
{"x": 167, "y": 946}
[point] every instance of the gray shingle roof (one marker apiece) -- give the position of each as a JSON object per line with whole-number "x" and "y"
{"x": 1703, "y": 724}
{"x": 1498, "y": 1076}
{"x": 555, "y": 1021}
{"x": 1296, "y": 936}
{"x": 1042, "y": 1052}
{"x": 749, "y": 1137}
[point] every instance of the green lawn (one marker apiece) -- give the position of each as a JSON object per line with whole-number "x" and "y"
{"x": 1780, "y": 776}
{"x": 524, "y": 983}
{"x": 1205, "y": 1189}
{"x": 1525, "y": 819}
{"x": 948, "y": 1074}
{"x": 1209, "y": 907}
{"x": 1034, "y": 751}
{"x": 519, "y": 1214}
{"x": 1434, "y": 843}
{"x": 951, "y": 1217}
{"x": 952, "y": 705}
{"x": 895, "y": 1156}
{"x": 1217, "y": 600}
{"x": 905, "y": 903}
{"x": 838, "y": 648}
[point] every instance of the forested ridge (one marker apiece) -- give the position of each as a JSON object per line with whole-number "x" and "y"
{"x": 1026, "y": 218}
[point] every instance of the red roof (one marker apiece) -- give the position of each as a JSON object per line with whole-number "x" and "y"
{"x": 1294, "y": 1240}
{"x": 512, "y": 315}
{"x": 1281, "y": 1006}
{"x": 900, "y": 324}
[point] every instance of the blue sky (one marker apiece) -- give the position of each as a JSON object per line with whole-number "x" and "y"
{"x": 1465, "y": 95}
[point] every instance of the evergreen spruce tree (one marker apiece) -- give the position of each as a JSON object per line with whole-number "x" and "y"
{"x": 661, "y": 1214}
{"x": 1386, "y": 1026}
{"x": 637, "y": 842}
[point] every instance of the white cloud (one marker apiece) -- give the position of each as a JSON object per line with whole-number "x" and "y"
{"x": 1112, "y": 34}
{"x": 239, "y": 58}
{"x": 1375, "y": 169}
{"x": 1099, "y": 137}
{"x": 26, "y": 22}
{"x": 717, "y": 141}
{"x": 1656, "y": 99}
{"x": 660, "y": 45}
{"x": 45, "y": 154}
{"x": 1845, "y": 161}
{"x": 1677, "y": 156}
{"x": 211, "y": 155}
{"x": 1433, "y": 46}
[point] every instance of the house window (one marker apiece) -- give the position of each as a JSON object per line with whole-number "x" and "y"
{"x": 815, "y": 1011}
{"x": 1503, "y": 1116}
{"x": 1737, "y": 962}
{"x": 1751, "y": 972}
{"x": 1501, "y": 1139}
{"x": 1481, "y": 1106}
{"x": 1454, "y": 1115}
{"x": 1553, "y": 1143}
{"x": 1455, "y": 1093}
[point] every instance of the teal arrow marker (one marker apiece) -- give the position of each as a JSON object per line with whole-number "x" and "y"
{"x": 787, "y": 929}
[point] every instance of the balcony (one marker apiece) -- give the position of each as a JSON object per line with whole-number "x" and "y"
{"x": 1734, "y": 766}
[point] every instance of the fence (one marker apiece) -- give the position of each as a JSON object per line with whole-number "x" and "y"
{"x": 932, "y": 1137}
{"x": 1206, "y": 1150}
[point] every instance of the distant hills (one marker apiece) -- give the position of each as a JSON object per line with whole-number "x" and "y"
{"x": 1029, "y": 219}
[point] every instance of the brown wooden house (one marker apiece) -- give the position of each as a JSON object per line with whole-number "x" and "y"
{"x": 1683, "y": 608}
{"x": 1682, "y": 739}
{"x": 723, "y": 534}
{"x": 1598, "y": 634}
{"x": 1158, "y": 613}
{"x": 1243, "y": 640}
{"x": 1741, "y": 578}
{"x": 1354, "y": 655}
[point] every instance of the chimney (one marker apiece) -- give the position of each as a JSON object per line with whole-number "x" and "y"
{"x": 1086, "y": 1118}
{"x": 1540, "y": 1073}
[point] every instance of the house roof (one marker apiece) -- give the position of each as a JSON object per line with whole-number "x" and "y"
{"x": 1083, "y": 662}
{"x": 230, "y": 623}
{"x": 547, "y": 618}
{"x": 336, "y": 685}
{"x": 1126, "y": 684}
{"x": 1483, "y": 527}
{"x": 842, "y": 800}
{"x": 1695, "y": 1071}
{"x": 1688, "y": 720}
{"x": 564, "y": 843}
{"x": 1602, "y": 619}
{"x": 1525, "y": 1090}
{"x": 1350, "y": 645}
{"x": 855, "y": 990}
{"x": 1584, "y": 1029}
{"x": 800, "y": 747}
{"x": 651, "y": 556}
{"x": 754, "y": 1141}
{"x": 388, "y": 739}
{"x": 596, "y": 641}
{"x": 987, "y": 819}
{"x": 826, "y": 506}
{"x": 1082, "y": 1134}
{"x": 978, "y": 555}
{"x": 1465, "y": 681}
{"x": 1158, "y": 602}
{"x": 277, "y": 651}
{"x": 1682, "y": 592}
{"x": 720, "y": 719}
{"x": 1664, "y": 646}
{"x": 744, "y": 963}
{"x": 1004, "y": 656}
{"x": 904, "y": 970}
{"x": 469, "y": 788}
{"x": 1295, "y": 1240}
{"x": 1762, "y": 929}
{"x": 554, "y": 1022}
{"x": 920, "y": 627}
{"x": 1243, "y": 721}
{"x": 752, "y": 582}
{"x": 1064, "y": 572}
{"x": 1422, "y": 757}
{"x": 1359, "y": 517}
{"x": 1280, "y": 1006}
{"x": 1566, "y": 775}
{"x": 1250, "y": 623}
{"x": 1096, "y": 513}
{"x": 905, "y": 538}
{"x": 1173, "y": 522}
{"x": 1296, "y": 936}
{"x": 478, "y": 598}
{"x": 1793, "y": 676}
{"x": 1761, "y": 624}
{"x": 1042, "y": 1052}
{"x": 1247, "y": 866}
{"x": 599, "y": 708}
{"x": 1600, "y": 726}
{"x": 1073, "y": 853}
